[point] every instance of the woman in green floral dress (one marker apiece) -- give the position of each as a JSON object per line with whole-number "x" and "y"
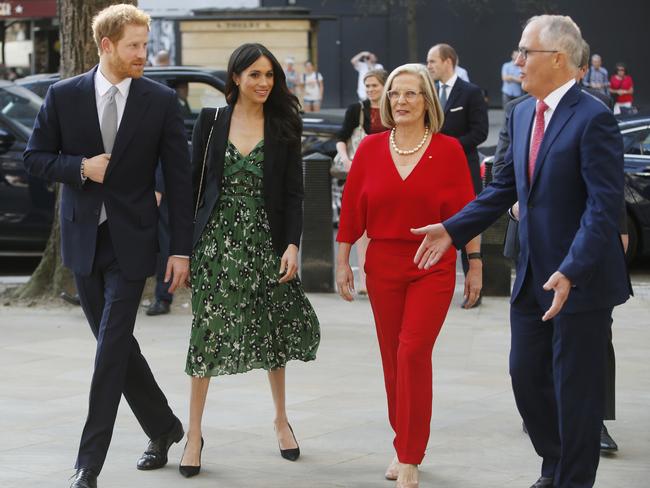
{"x": 249, "y": 309}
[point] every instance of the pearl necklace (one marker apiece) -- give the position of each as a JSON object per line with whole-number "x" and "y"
{"x": 405, "y": 152}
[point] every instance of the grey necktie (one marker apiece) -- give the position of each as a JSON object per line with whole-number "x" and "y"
{"x": 443, "y": 95}
{"x": 108, "y": 127}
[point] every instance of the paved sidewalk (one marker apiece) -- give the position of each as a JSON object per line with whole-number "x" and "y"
{"x": 336, "y": 405}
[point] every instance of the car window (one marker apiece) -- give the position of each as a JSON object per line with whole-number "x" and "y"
{"x": 201, "y": 95}
{"x": 20, "y": 105}
{"x": 637, "y": 142}
{"x": 39, "y": 87}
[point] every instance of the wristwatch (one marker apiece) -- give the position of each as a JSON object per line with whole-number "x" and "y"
{"x": 474, "y": 255}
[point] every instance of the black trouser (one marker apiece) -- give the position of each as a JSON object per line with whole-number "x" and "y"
{"x": 110, "y": 302}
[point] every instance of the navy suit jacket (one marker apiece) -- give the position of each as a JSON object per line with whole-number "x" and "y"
{"x": 466, "y": 119}
{"x": 568, "y": 217}
{"x": 151, "y": 129}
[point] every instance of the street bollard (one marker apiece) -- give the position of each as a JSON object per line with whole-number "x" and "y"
{"x": 317, "y": 249}
{"x": 496, "y": 267}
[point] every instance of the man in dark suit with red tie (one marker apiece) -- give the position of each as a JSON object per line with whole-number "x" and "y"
{"x": 565, "y": 167}
{"x": 101, "y": 135}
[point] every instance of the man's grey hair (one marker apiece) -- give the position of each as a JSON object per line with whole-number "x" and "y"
{"x": 584, "y": 62}
{"x": 562, "y": 33}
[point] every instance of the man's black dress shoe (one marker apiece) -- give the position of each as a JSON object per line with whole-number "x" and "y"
{"x": 606, "y": 441}
{"x": 543, "y": 482}
{"x": 71, "y": 299}
{"x": 156, "y": 454}
{"x": 84, "y": 478}
{"x": 159, "y": 307}
{"x": 290, "y": 454}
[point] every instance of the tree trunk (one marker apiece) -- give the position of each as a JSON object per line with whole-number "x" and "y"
{"x": 412, "y": 30}
{"x": 78, "y": 54}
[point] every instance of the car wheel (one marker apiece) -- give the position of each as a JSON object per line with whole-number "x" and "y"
{"x": 633, "y": 243}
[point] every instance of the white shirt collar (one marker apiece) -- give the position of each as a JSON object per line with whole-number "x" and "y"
{"x": 102, "y": 85}
{"x": 450, "y": 82}
{"x": 553, "y": 98}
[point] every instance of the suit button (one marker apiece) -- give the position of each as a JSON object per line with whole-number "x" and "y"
{"x": 96, "y": 212}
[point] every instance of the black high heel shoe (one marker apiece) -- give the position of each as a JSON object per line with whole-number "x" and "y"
{"x": 189, "y": 471}
{"x": 290, "y": 454}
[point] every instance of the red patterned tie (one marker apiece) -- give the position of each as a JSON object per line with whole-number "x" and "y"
{"x": 538, "y": 135}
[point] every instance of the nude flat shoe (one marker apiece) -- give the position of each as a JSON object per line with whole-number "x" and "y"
{"x": 393, "y": 470}
{"x": 410, "y": 484}
{"x": 407, "y": 484}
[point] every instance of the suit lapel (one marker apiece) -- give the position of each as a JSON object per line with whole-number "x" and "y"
{"x": 563, "y": 112}
{"x": 88, "y": 109}
{"x": 135, "y": 110}
{"x": 454, "y": 93}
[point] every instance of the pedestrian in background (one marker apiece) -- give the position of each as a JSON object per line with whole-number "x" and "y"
{"x": 621, "y": 88}
{"x": 511, "y": 76}
{"x": 249, "y": 308}
{"x": 597, "y": 77}
{"x": 313, "y": 88}
{"x": 291, "y": 74}
{"x": 466, "y": 116}
{"x": 363, "y": 62}
{"x": 361, "y": 119}
{"x": 399, "y": 179}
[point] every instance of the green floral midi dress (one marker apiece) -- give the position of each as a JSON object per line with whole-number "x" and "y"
{"x": 243, "y": 318}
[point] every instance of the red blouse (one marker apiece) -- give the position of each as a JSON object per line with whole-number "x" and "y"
{"x": 624, "y": 83}
{"x": 375, "y": 121}
{"x": 377, "y": 200}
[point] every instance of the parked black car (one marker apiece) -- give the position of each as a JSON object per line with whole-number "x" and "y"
{"x": 27, "y": 203}
{"x": 636, "y": 140}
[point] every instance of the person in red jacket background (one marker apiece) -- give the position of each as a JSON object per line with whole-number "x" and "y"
{"x": 621, "y": 87}
{"x": 400, "y": 180}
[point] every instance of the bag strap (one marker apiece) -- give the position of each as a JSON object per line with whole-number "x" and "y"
{"x": 361, "y": 116}
{"x": 205, "y": 156}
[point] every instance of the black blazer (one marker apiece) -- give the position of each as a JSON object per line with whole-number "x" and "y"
{"x": 151, "y": 130}
{"x": 283, "y": 185}
{"x": 351, "y": 120}
{"x": 466, "y": 119}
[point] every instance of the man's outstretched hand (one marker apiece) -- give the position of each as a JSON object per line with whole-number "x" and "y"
{"x": 434, "y": 245}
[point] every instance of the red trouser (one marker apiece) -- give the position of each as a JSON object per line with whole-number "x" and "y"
{"x": 409, "y": 306}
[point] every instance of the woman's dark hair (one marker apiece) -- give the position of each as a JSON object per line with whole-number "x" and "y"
{"x": 282, "y": 108}
{"x": 621, "y": 66}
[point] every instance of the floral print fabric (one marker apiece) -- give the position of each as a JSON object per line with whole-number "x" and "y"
{"x": 243, "y": 318}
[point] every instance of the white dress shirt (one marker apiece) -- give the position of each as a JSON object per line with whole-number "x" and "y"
{"x": 552, "y": 100}
{"x": 450, "y": 84}
{"x": 102, "y": 85}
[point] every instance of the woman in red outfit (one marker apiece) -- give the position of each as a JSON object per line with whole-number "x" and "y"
{"x": 400, "y": 180}
{"x": 622, "y": 87}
